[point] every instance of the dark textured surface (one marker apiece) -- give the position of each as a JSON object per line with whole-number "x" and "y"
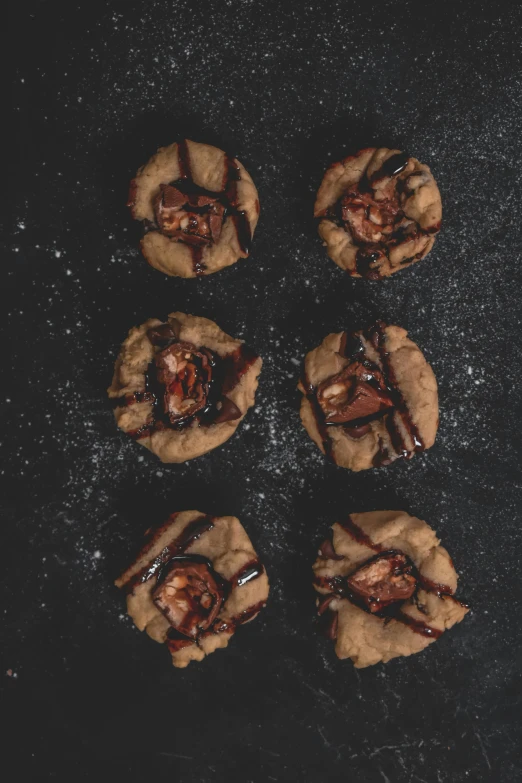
{"x": 97, "y": 88}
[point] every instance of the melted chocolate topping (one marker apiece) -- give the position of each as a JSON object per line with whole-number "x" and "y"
{"x": 341, "y": 587}
{"x": 216, "y": 378}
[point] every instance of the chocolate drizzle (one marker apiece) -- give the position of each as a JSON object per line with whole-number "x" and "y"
{"x": 177, "y": 547}
{"x": 377, "y": 338}
{"x": 238, "y": 217}
{"x": 338, "y": 587}
{"x": 359, "y": 535}
{"x": 230, "y": 625}
{"x": 391, "y": 167}
{"x": 198, "y": 264}
{"x": 226, "y": 372}
{"x": 228, "y": 197}
{"x": 417, "y": 626}
{"x": 251, "y": 570}
{"x": 366, "y": 263}
{"x": 185, "y": 169}
{"x": 311, "y": 395}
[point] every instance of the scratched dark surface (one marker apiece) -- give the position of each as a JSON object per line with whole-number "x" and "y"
{"x": 97, "y": 87}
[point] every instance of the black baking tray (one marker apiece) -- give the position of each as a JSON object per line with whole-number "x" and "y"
{"x": 96, "y": 88}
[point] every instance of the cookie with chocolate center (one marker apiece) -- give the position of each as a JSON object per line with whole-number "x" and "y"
{"x": 386, "y": 587}
{"x": 378, "y": 212}
{"x": 195, "y": 581}
{"x": 199, "y": 208}
{"x": 369, "y": 398}
{"x": 181, "y": 387}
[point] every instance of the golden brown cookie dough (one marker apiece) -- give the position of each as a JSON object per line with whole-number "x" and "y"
{"x": 369, "y": 397}
{"x": 378, "y": 211}
{"x": 196, "y": 580}
{"x": 387, "y": 587}
{"x": 180, "y": 388}
{"x": 199, "y": 208}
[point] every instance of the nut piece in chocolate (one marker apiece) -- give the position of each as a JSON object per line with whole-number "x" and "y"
{"x": 378, "y": 212}
{"x": 191, "y": 218}
{"x": 386, "y": 579}
{"x": 198, "y": 206}
{"x": 186, "y": 374}
{"x": 355, "y": 393}
{"x": 190, "y": 595}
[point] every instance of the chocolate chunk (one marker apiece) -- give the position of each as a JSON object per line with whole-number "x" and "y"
{"x": 327, "y": 550}
{"x": 194, "y": 218}
{"x": 325, "y": 602}
{"x": 351, "y": 346}
{"x": 186, "y": 374}
{"x": 384, "y": 580}
{"x": 162, "y": 335}
{"x": 355, "y": 393}
{"x": 202, "y": 201}
{"x": 357, "y": 432}
{"x": 328, "y": 618}
{"x": 190, "y": 595}
{"x": 172, "y": 198}
{"x": 216, "y": 223}
{"x": 228, "y": 411}
{"x": 176, "y": 641}
{"x": 369, "y": 262}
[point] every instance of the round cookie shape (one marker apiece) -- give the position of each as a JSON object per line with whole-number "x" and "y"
{"x": 194, "y": 582}
{"x": 199, "y": 208}
{"x": 181, "y": 387}
{"x": 386, "y": 587}
{"x": 378, "y": 212}
{"x": 369, "y": 397}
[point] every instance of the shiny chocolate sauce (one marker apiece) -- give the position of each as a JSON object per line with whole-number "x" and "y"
{"x": 247, "y": 573}
{"x": 391, "y": 167}
{"x": 338, "y": 587}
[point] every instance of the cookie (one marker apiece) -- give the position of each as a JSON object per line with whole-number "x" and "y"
{"x": 369, "y": 398}
{"x": 386, "y": 585}
{"x": 195, "y": 581}
{"x": 378, "y": 212}
{"x": 181, "y": 388}
{"x": 199, "y": 208}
